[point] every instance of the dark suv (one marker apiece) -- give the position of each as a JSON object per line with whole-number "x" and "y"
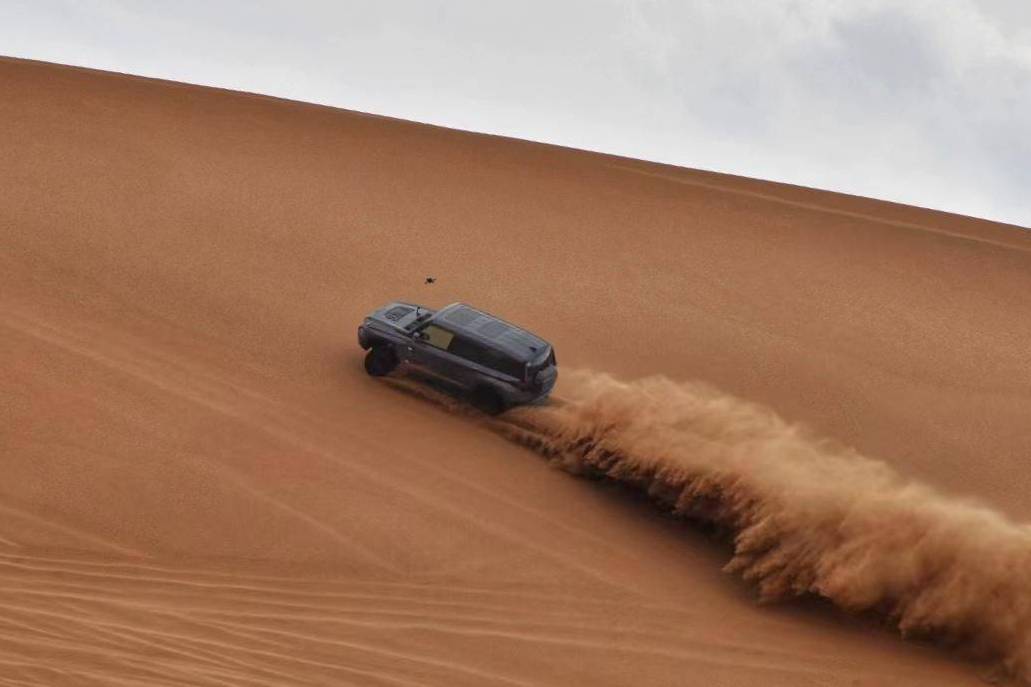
{"x": 496, "y": 364}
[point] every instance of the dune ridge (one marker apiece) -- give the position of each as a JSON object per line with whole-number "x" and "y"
{"x": 807, "y": 515}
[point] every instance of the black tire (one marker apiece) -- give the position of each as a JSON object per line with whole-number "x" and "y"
{"x": 380, "y": 361}
{"x": 487, "y": 400}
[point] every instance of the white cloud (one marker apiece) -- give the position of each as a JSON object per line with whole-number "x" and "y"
{"x": 922, "y": 102}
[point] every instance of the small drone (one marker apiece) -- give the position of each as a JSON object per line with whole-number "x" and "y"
{"x": 430, "y": 280}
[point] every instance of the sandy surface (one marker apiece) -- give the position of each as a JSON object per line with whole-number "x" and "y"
{"x": 201, "y": 486}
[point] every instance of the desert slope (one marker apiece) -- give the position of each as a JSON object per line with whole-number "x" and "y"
{"x": 202, "y": 487}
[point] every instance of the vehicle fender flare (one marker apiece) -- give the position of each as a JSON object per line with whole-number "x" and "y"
{"x": 368, "y": 337}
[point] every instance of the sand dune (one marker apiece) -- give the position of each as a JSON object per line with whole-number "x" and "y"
{"x": 201, "y": 486}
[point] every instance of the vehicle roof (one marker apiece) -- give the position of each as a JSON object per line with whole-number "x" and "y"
{"x": 475, "y": 324}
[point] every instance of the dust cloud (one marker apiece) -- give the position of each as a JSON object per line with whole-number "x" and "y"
{"x": 806, "y": 515}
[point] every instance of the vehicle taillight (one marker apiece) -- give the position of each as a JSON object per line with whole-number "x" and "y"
{"x": 533, "y": 372}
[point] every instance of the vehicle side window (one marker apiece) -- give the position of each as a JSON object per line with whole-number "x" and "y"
{"x": 438, "y": 336}
{"x": 470, "y": 350}
{"x": 474, "y": 352}
{"x": 512, "y": 368}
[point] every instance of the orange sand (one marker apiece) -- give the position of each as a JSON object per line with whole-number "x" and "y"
{"x": 201, "y": 486}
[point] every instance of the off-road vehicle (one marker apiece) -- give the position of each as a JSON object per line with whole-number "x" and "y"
{"x": 495, "y": 364}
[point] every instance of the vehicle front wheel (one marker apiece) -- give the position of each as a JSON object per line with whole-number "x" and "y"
{"x": 487, "y": 400}
{"x": 380, "y": 361}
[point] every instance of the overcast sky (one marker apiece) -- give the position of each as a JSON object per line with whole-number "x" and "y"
{"x": 926, "y": 102}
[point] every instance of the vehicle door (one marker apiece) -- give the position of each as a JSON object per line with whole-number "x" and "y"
{"x": 429, "y": 354}
{"x": 484, "y": 364}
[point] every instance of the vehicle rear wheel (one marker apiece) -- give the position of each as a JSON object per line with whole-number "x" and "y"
{"x": 380, "y": 361}
{"x": 487, "y": 400}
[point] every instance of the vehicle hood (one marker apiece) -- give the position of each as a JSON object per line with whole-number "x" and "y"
{"x": 397, "y": 315}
